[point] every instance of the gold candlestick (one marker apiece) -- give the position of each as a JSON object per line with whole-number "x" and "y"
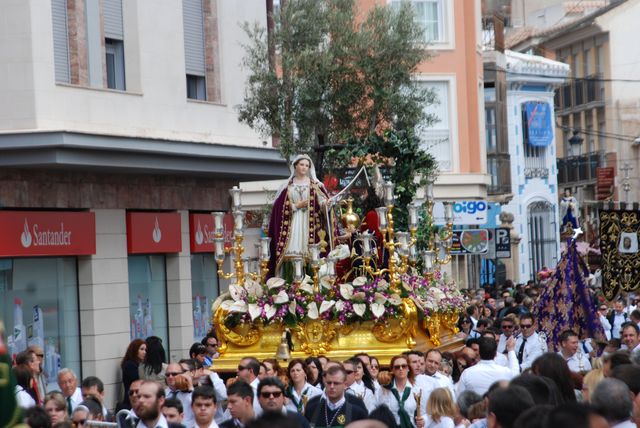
{"x": 418, "y": 397}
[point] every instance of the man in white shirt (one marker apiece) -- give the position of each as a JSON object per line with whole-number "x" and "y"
{"x": 508, "y": 359}
{"x": 606, "y": 326}
{"x": 203, "y": 404}
{"x": 617, "y": 318}
{"x": 179, "y": 386}
{"x": 571, "y": 351}
{"x": 149, "y": 405}
{"x": 68, "y": 383}
{"x": 529, "y": 344}
{"x": 417, "y": 366}
{"x": 432, "y": 360}
{"x": 248, "y": 371}
{"x": 508, "y": 326}
{"x": 480, "y": 377}
{"x": 630, "y": 333}
{"x": 474, "y": 314}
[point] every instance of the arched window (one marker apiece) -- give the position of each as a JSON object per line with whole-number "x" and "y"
{"x": 542, "y": 223}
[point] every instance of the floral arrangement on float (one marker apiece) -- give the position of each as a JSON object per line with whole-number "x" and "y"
{"x": 382, "y": 307}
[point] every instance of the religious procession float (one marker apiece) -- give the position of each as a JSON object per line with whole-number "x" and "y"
{"x": 334, "y": 286}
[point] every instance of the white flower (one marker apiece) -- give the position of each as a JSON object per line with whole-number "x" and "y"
{"x": 339, "y": 305}
{"x": 269, "y": 311}
{"x": 275, "y": 282}
{"x": 359, "y": 281}
{"x": 253, "y": 288}
{"x": 292, "y": 307}
{"x": 346, "y": 291}
{"x": 380, "y": 298}
{"x": 359, "y": 308}
{"x": 254, "y": 311}
{"x": 306, "y": 287}
{"x": 377, "y": 309}
{"x": 359, "y": 295}
{"x": 407, "y": 286}
{"x": 326, "y": 305}
{"x": 326, "y": 281}
{"x": 437, "y": 293}
{"x": 341, "y": 252}
{"x": 282, "y": 297}
{"x": 312, "y": 311}
{"x": 236, "y": 291}
{"x": 322, "y": 272}
{"x": 395, "y": 300}
{"x": 239, "y": 306}
{"x": 382, "y": 285}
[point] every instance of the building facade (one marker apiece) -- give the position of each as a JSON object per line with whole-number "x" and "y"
{"x": 118, "y": 138}
{"x": 531, "y": 84}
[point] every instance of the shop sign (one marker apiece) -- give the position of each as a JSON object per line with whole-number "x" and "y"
{"x": 201, "y": 228}
{"x": 465, "y": 213}
{"x": 47, "y": 233}
{"x": 151, "y": 232}
{"x": 605, "y": 179}
{"x": 470, "y": 241}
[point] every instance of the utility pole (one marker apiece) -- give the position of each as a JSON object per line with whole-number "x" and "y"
{"x": 626, "y": 186}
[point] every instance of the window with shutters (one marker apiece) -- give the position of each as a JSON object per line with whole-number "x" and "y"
{"x": 114, "y": 44}
{"x": 60, "y": 40}
{"x": 194, "y": 49}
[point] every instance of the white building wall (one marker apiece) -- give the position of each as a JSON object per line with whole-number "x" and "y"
{"x": 528, "y": 190}
{"x": 155, "y": 104}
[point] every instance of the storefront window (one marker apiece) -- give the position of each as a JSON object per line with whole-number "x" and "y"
{"x": 148, "y": 297}
{"x": 40, "y": 307}
{"x": 205, "y": 290}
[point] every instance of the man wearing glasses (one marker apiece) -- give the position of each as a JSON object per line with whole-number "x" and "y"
{"x": 271, "y": 400}
{"x": 210, "y": 342}
{"x": 508, "y": 327}
{"x": 248, "y": 371}
{"x": 529, "y": 345}
{"x": 180, "y": 386}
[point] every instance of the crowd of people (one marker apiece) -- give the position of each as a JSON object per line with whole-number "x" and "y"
{"x": 504, "y": 376}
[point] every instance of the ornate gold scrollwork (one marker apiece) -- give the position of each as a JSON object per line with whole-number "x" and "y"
{"x": 241, "y": 335}
{"x": 432, "y": 325}
{"x": 316, "y": 336}
{"x": 394, "y": 329}
{"x": 449, "y": 319}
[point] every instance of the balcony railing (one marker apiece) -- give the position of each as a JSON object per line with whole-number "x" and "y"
{"x": 574, "y": 169}
{"x": 499, "y": 167}
{"x": 438, "y": 143}
{"x": 579, "y": 92}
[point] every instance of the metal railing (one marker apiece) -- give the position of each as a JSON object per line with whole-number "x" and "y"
{"x": 574, "y": 169}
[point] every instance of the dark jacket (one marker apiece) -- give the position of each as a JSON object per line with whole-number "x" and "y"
{"x": 317, "y": 412}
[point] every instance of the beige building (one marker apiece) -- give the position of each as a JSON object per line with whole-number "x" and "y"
{"x": 117, "y": 129}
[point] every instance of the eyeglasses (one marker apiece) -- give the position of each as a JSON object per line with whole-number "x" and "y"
{"x": 506, "y": 327}
{"x": 401, "y": 367}
{"x": 170, "y": 374}
{"x": 240, "y": 368}
{"x": 603, "y": 308}
{"x": 133, "y": 392}
{"x": 274, "y": 394}
{"x": 466, "y": 322}
{"x": 40, "y": 355}
{"x": 373, "y": 366}
{"x": 81, "y": 422}
{"x": 526, "y": 325}
{"x": 213, "y": 345}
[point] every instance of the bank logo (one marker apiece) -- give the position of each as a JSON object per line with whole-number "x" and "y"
{"x": 199, "y": 234}
{"x": 25, "y": 237}
{"x": 157, "y": 233}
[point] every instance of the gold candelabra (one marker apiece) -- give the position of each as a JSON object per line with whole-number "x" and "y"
{"x": 241, "y": 265}
{"x": 401, "y": 246}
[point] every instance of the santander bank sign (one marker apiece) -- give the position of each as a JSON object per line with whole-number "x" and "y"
{"x": 47, "y": 233}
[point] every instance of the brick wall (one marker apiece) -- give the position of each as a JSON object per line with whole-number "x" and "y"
{"x": 77, "y": 29}
{"x": 211, "y": 50}
{"x": 79, "y": 190}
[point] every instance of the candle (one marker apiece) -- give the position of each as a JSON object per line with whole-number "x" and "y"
{"x": 238, "y": 221}
{"x": 366, "y": 242}
{"x": 264, "y": 248}
{"x": 298, "y": 273}
{"x": 382, "y": 218}
{"x": 413, "y": 215}
{"x": 413, "y": 253}
{"x": 219, "y": 246}
{"x": 402, "y": 242}
{"x": 314, "y": 251}
{"x": 427, "y": 259}
{"x": 430, "y": 191}
{"x": 245, "y": 265}
{"x": 218, "y": 223}
{"x": 235, "y": 196}
{"x": 331, "y": 268}
{"x": 388, "y": 193}
{"x": 448, "y": 212}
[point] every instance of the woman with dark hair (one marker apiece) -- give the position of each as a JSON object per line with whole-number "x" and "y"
{"x": 363, "y": 386}
{"x": 135, "y": 355}
{"x": 374, "y": 369}
{"x": 465, "y": 325}
{"x": 314, "y": 368}
{"x": 554, "y": 367}
{"x": 399, "y": 395}
{"x": 155, "y": 362}
{"x": 299, "y": 390}
{"x": 24, "y": 397}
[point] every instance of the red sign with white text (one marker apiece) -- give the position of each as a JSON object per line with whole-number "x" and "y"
{"x": 201, "y": 234}
{"x": 149, "y": 233}
{"x": 47, "y": 233}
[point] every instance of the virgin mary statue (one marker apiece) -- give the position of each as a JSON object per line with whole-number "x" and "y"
{"x": 298, "y": 217}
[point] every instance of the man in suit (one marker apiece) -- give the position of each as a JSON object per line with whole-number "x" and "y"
{"x": 332, "y": 409}
{"x": 271, "y": 399}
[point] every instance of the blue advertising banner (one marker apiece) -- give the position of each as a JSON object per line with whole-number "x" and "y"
{"x": 538, "y": 121}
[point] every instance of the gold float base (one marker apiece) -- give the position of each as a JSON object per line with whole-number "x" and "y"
{"x": 337, "y": 342}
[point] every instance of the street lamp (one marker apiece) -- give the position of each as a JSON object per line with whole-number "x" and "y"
{"x": 575, "y": 142}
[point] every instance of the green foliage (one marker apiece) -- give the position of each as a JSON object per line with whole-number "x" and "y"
{"x": 338, "y": 74}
